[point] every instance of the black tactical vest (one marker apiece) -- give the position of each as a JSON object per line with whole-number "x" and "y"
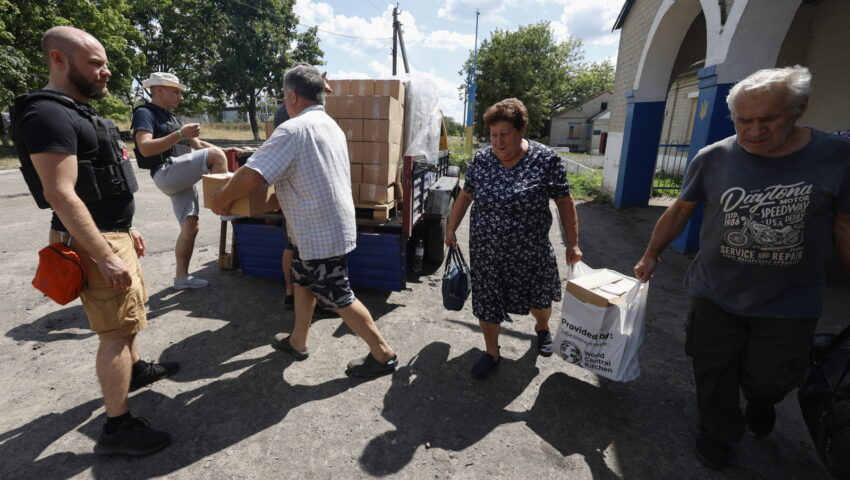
{"x": 180, "y": 148}
{"x": 106, "y": 175}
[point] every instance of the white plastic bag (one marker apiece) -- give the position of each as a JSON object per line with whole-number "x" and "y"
{"x": 422, "y": 119}
{"x": 602, "y": 340}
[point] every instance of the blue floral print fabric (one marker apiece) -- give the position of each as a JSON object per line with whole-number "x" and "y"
{"x": 512, "y": 261}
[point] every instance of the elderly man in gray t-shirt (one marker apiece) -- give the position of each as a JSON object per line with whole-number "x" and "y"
{"x": 775, "y": 195}
{"x": 307, "y": 160}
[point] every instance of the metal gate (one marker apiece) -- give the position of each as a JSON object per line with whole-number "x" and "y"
{"x": 670, "y": 164}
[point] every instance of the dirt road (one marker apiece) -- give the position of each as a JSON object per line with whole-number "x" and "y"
{"x": 238, "y": 409}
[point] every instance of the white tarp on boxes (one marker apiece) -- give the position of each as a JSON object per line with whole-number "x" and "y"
{"x": 422, "y": 119}
{"x": 603, "y": 340}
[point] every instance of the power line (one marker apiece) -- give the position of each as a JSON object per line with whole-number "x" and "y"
{"x": 316, "y": 26}
{"x": 418, "y": 14}
{"x": 376, "y": 7}
{"x": 342, "y": 34}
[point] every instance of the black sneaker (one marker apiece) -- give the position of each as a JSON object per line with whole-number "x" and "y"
{"x": 369, "y": 367}
{"x": 712, "y": 453}
{"x": 133, "y": 437}
{"x": 145, "y": 373}
{"x": 544, "y": 343}
{"x": 289, "y": 302}
{"x": 760, "y": 418}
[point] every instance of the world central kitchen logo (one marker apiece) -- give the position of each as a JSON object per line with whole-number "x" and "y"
{"x": 570, "y": 352}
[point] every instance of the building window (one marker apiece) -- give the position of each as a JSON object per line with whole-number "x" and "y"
{"x": 573, "y": 132}
{"x": 604, "y": 106}
{"x": 691, "y": 120}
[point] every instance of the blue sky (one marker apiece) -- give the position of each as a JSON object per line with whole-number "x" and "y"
{"x": 356, "y": 35}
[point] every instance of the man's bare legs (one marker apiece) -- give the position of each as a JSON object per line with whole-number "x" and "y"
{"x": 305, "y": 303}
{"x": 356, "y": 316}
{"x": 114, "y": 368}
{"x": 216, "y": 160}
{"x": 360, "y": 321}
{"x": 286, "y": 260}
{"x": 185, "y": 245}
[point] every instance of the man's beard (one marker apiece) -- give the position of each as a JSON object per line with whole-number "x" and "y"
{"x": 86, "y": 87}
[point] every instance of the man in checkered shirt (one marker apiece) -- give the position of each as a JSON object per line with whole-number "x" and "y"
{"x": 306, "y": 159}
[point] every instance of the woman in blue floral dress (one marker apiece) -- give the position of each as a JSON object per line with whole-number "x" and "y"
{"x": 513, "y": 264}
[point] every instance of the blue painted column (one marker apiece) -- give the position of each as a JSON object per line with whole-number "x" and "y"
{"x": 640, "y": 149}
{"x": 712, "y": 123}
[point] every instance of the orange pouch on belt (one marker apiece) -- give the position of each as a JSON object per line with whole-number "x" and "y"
{"x": 61, "y": 274}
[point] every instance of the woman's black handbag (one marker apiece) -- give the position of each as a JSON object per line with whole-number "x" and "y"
{"x": 825, "y": 401}
{"x": 457, "y": 282}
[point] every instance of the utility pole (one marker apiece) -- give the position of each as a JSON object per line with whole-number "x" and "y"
{"x": 398, "y": 39}
{"x": 470, "y": 92}
{"x": 395, "y": 37}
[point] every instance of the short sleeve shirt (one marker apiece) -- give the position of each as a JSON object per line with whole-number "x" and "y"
{"x": 306, "y": 159}
{"x": 767, "y": 225}
{"x": 159, "y": 122}
{"x": 49, "y": 127}
{"x": 151, "y": 118}
{"x": 516, "y": 199}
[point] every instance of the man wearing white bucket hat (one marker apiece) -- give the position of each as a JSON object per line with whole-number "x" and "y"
{"x": 176, "y": 158}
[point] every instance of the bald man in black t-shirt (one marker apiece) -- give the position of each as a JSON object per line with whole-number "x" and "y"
{"x": 53, "y": 138}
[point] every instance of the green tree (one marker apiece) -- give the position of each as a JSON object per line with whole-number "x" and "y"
{"x": 238, "y": 53}
{"x": 173, "y": 40}
{"x": 22, "y": 66}
{"x": 531, "y": 65}
{"x": 453, "y": 128}
{"x": 255, "y": 50}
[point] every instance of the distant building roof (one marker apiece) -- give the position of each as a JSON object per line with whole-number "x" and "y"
{"x": 578, "y": 104}
{"x": 624, "y": 12}
{"x": 603, "y": 115}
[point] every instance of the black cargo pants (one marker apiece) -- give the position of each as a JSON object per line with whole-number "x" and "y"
{"x": 764, "y": 358}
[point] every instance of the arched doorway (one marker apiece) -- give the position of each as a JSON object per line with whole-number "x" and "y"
{"x": 676, "y": 41}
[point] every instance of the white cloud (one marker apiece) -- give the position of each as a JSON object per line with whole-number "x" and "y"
{"x": 370, "y": 37}
{"x": 560, "y": 31}
{"x": 382, "y": 69}
{"x": 591, "y": 20}
{"x": 346, "y": 74}
{"x": 449, "y": 41}
{"x": 312, "y": 13}
{"x": 464, "y": 10}
{"x": 358, "y": 36}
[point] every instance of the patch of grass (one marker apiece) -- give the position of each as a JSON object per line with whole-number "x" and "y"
{"x": 455, "y": 140}
{"x": 672, "y": 184}
{"x": 587, "y": 186}
{"x": 459, "y": 157}
{"x": 230, "y": 131}
{"x": 218, "y": 131}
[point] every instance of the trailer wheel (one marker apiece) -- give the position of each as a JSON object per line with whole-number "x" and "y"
{"x": 435, "y": 235}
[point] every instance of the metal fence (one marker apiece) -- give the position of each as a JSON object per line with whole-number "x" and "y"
{"x": 670, "y": 165}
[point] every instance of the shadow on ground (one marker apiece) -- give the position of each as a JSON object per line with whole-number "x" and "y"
{"x": 257, "y": 399}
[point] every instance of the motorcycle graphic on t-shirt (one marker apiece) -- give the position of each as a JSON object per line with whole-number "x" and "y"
{"x": 765, "y": 226}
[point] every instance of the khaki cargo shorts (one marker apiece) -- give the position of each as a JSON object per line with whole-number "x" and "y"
{"x": 112, "y": 314}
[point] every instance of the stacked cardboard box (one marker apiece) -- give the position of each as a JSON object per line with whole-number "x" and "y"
{"x": 371, "y": 113}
